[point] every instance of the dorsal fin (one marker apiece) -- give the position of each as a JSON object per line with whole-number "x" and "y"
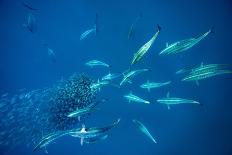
{"x": 83, "y": 127}
{"x": 166, "y": 44}
{"x": 131, "y": 92}
{"x": 202, "y": 64}
{"x": 168, "y": 94}
{"x": 98, "y": 81}
{"x": 148, "y": 81}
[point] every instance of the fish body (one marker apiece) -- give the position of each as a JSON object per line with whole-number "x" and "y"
{"x": 31, "y": 23}
{"x": 132, "y": 27}
{"x": 131, "y": 97}
{"x": 175, "y": 100}
{"x": 149, "y": 85}
{"x": 208, "y": 68}
{"x": 52, "y": 55}
{"x": 204, "y": 75}
{"x": 93, "y": 63}
{"x": 88, "y": 32}
{"x": 183, "y": 45}
{"x": 29, "y": 7}
{"x": 99, "y": 84}
{"x": 80, "y": 112}
{"x": 144, "y": 49}
{"x": 144, "y": 130}
{"x": 110, "y": 76}
{"x": 93, "y": 133}
{"x": 85, "y": 34}
{"x": 130, "y": 74}
{"x": 206, "y": 71}
{"x": 48, "y": 139}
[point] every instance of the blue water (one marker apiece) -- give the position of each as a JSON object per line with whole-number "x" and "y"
{"x": 185, "y": 129}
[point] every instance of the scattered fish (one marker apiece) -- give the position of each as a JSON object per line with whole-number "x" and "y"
{"x": 149, "y": 85}
{"x": 110, "y": 76}
{"x": 87, "y": 33}
{"x": 174, "y": 101}
{"x": 93, "y": 63}
{"x": 131, "y": 97}
{"x": 31, "y": 23}
{"x": 144, "y": 49}
{"x": 127, "y": 77}
{"x": 183, "y": 45}
{"x": 144, "y": 130}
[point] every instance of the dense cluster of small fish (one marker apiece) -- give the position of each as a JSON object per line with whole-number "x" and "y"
{"x": 41, "y": 116}
{"x": 28, "y": 116}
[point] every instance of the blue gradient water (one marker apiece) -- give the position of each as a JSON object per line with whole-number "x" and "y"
{"x": 185, "y": 129}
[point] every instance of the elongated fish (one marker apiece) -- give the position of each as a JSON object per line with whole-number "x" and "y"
{"x": 149, "y": 85}
{"x": 131, "y": 97}
{"x": 202, "y": 68}
{"x": 206, "y": 71}
{"x": 46, "y": 140}
{"x": 144, "y": 130}
{"x": 93, "y": 63}
{"x": 29, "y": 7}
{"x": 99, "y": 84}
{"x": 144, "y": 49}
{"x": 127, "y": 77}
{"x": 183, "y": 45}
{"x": 208, "y": 68}
{"x": 80, "y": 112}
{"x": 51, "y": 55}
{"x": 87, "y": 33}
{"x": 111, "y": 76}
{"x": 175, "y": 100}
{"x": 131, "y": 30}
{"x": 204, "y": 75}
{"x": 31, "y": 23}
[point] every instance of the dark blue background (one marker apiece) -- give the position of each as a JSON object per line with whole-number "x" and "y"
{"x": 184, "y": 129}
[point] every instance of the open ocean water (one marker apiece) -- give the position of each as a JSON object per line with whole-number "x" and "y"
{"x": 40, "y": 45}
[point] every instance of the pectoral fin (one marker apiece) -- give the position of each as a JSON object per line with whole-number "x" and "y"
{"x": 82, "y": 141}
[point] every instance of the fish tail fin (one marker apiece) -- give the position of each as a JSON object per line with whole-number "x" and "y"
{"x": 168, "y": 82}
{"x": 212, "y": 30}
{"x": 159, "y": 27}
{"x": 96, "y": 24}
